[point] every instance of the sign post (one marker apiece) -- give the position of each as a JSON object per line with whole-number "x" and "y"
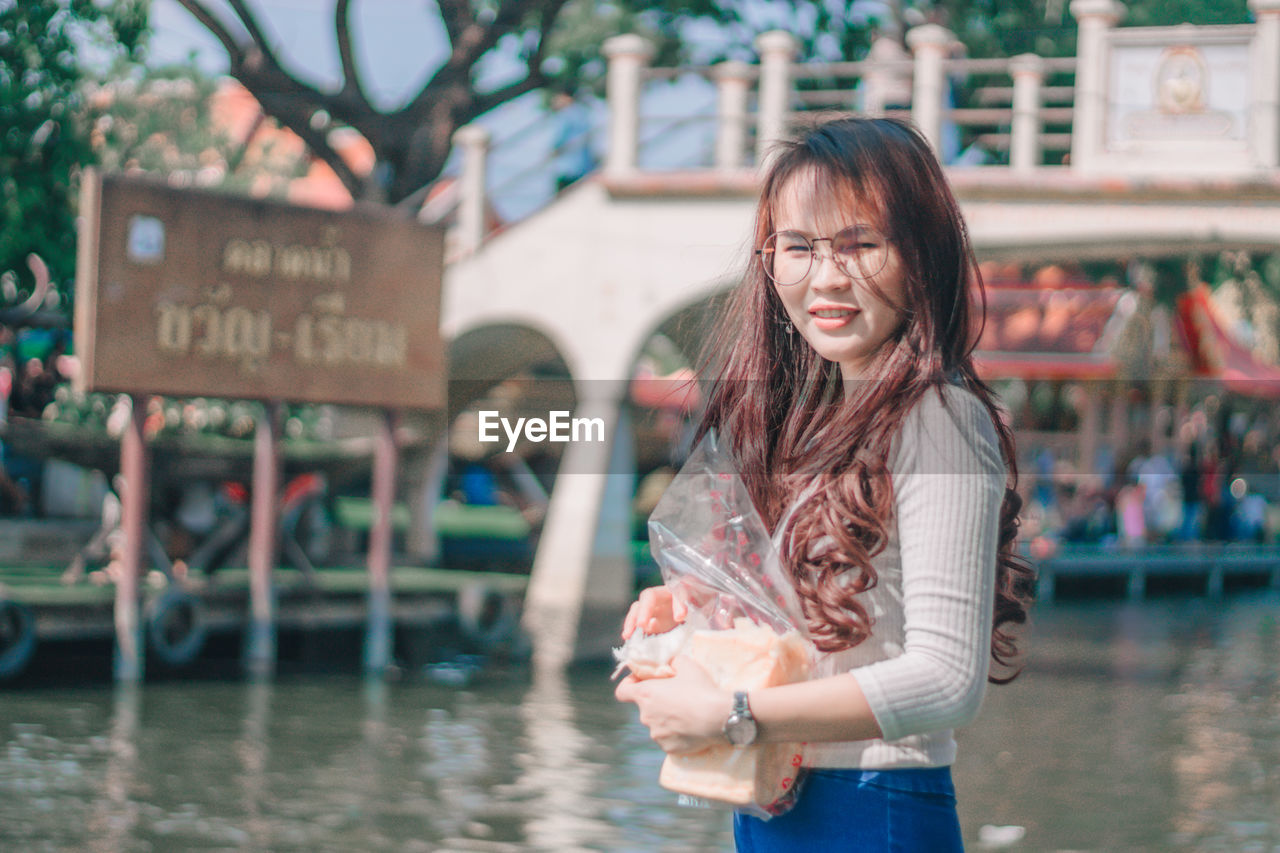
{"x": 134, "y": 481}
{"x": 377, "y": 645}
{"x": 260, "y": 638}
{"x": 195, "y": 293}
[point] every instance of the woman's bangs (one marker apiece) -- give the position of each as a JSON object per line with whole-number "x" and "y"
{"x": 848, "y": 198}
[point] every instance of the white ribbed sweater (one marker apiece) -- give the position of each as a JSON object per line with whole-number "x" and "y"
{"x": 924, "y": 668}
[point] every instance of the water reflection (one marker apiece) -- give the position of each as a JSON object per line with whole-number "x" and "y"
{"x": 114, "y": 815}
{"x": 253, "y": 751}
{"x": 1227, "y": 730}
{"x": 555, "y": 767}
{"x": 1149, "y": 727}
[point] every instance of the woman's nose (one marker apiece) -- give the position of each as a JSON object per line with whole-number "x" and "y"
{"x": 827, "y": 273}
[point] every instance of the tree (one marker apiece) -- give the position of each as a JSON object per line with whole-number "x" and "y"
{"x": 45, "y": 139}
{"x": 1046, "y": 27}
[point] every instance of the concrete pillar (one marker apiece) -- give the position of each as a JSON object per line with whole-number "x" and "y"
{"x": 1088, "y": 435}
{"x": 1264, "y": 118}
{"x": 583, "y": 578}
{"x": 1119, "y": 428}
{"x": 873, "y": 87}
{"x": 1027, "y": 71}
{"x": 473, "y": 141}
{"x": 930, "y": 44}
{"x": 733, "y": 82}
{"x": 135, "y": 476}
{"x": 1095, "y": 18}
{"x": 264, "y": 543}
{"x": 428, "y": 471}
{"x": 777, "y": 49}
{"x": 379, "y": 631}
{"x": 1161, "y": 415}
{"x": 627, "y": 56}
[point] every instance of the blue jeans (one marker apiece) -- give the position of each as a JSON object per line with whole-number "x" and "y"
{"x": 895, "y": 811}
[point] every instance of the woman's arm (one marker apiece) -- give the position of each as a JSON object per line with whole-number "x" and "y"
{"x": 949, "y": 479}
{"x": 687, "y": 712}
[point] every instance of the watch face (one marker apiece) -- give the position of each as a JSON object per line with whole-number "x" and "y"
{"x": 740, "y": 730}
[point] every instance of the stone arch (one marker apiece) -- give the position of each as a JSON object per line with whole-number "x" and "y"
{"x": 486, "y": 354}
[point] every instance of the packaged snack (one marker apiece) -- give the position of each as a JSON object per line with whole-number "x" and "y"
{"x": 745, "y": 627}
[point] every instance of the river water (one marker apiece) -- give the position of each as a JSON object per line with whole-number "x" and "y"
{"x": 1146, "y": 727}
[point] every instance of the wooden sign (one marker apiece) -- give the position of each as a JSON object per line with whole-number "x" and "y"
{"x": 197, "y": 293}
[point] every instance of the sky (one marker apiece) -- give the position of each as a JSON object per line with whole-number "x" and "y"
{"x": 397, "y": 43}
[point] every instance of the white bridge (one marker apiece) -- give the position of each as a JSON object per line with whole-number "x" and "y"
{"x": 1149, "y": 143}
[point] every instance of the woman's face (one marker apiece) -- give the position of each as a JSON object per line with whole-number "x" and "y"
{"x": 833, "y": 307}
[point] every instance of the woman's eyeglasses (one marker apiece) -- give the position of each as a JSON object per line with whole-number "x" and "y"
{"x": 859, "y": 251}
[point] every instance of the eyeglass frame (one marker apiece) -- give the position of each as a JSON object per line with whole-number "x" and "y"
{"x": 813, "y": 254}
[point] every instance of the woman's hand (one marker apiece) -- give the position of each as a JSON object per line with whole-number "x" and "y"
{"x": 656, "y": 611}
{"x": 684, "y": 713}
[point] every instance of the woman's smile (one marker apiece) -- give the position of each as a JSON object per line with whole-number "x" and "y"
{"x": 828, "y": 318}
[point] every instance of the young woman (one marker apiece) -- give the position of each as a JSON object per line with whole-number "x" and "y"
{"x": 849, "y": 399}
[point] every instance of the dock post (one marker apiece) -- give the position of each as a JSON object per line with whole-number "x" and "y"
{"x": 377, "y": 643}
{"x": 1137, "y": 584}
{"x": 1217, "y": 581}
{"x": 1044, "y": 585}
{"x": 260, "y": 636}
{"x": 130, "y": 649}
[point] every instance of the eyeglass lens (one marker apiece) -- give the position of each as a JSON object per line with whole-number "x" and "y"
{"x": 788, "y": 256}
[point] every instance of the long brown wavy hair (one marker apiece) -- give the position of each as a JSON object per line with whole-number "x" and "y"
{"x": 789, "y": 419}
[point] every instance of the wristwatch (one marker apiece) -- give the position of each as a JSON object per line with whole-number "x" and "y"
{"x": 740, "y": 728}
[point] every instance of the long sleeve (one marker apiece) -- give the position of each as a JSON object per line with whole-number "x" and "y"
{"x": 948, "y": 479}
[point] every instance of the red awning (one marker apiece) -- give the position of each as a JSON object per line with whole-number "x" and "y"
{"x": 677, "y": 391}
{"x": 1215, "y": 354}
{"x": 1052, "y": 333}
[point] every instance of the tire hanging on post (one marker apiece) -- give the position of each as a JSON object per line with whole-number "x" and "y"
{"x": 176, "y": 627}
{"x": 487, "y": 617}
{"x": 17, "y": 637}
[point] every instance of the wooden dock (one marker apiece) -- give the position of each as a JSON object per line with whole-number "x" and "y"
{"x": 483, "y": 608}
{"x": 1209, "y": 569}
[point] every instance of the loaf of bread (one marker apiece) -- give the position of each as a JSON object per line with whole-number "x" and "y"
{"x": 650, "y": 655}
{"x": 745, "y": 657}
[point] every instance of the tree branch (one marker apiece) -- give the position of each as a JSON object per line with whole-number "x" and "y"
{"x": 235, "y": 51}
{"x": 319, "y": 146}
{"x": 456, "y": 16}
{"x": 481, "y": 104}
{"x": 351, "y": 86}
{"x": 477, "y": 39}
{"x": 546, "y": 20}
{"x": 255, "y": 30}
{"x": 472, "y": 41}
{"x": 237, "y": 156}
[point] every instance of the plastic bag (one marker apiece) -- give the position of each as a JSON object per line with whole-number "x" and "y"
{"x": 745, "y": 628}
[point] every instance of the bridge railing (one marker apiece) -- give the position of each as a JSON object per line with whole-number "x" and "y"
{"x": 1014, "y": 111}
{"x": 1019, "y": 114}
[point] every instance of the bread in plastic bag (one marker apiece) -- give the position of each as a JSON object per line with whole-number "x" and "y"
{"x": 744, "y": 627}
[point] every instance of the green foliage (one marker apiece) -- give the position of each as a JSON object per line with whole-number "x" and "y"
{"x": 161, "y": 121}
{"x": 45, "y": 136}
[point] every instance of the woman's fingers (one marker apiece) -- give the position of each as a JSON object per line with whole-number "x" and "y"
{"x": 626, "y": 689}
{"x": 629, "y": 623}
{"x": 656, "y": 611}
